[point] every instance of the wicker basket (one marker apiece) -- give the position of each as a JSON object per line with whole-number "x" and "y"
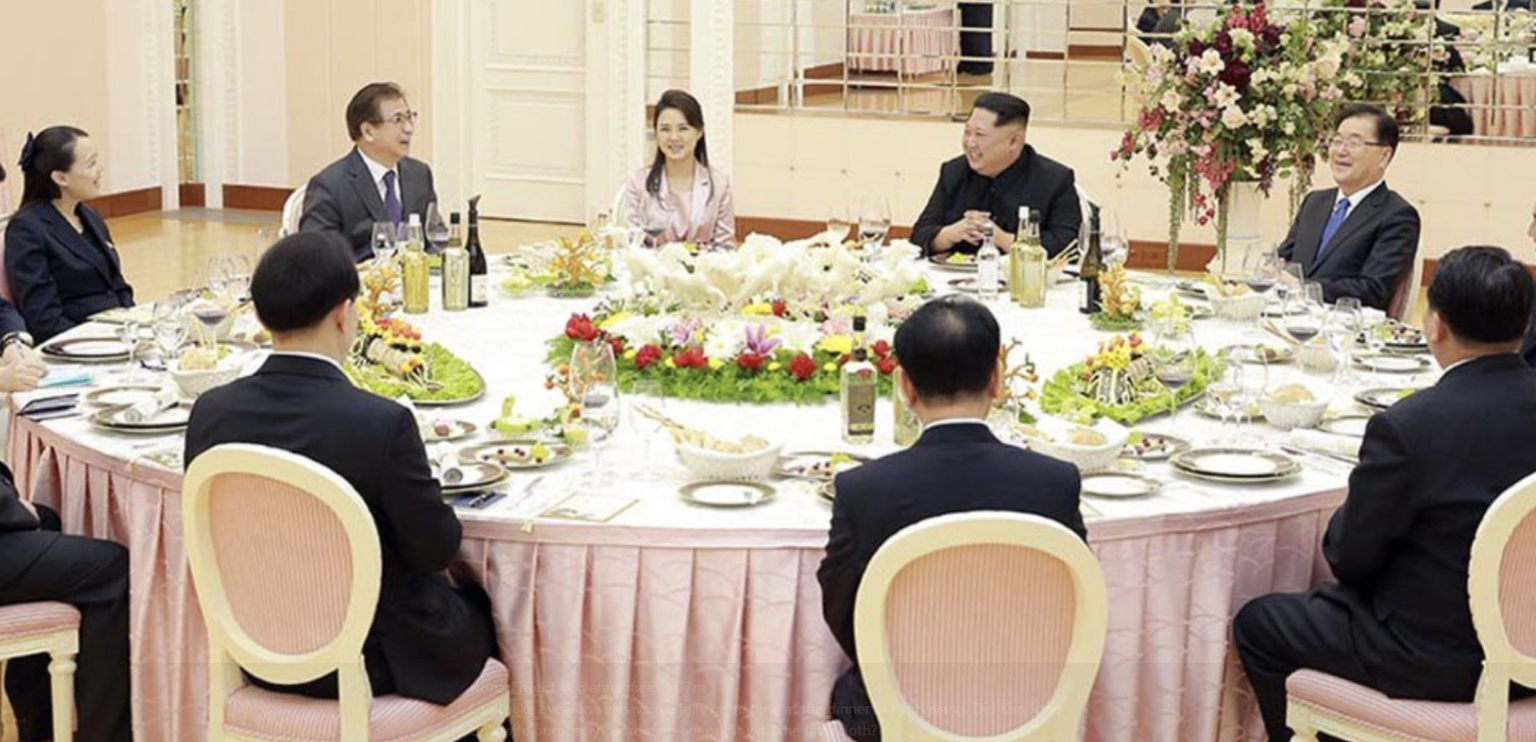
{"x": 716, "y": 466}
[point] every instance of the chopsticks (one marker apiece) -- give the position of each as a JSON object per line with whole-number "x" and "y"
{"x": 1277, "y": 332}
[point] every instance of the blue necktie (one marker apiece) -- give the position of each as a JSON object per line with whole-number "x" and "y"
{"x": 1334, "y": 222}
{"x": 392, "y": 208}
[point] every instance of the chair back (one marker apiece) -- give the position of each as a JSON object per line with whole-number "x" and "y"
{"x": 981, "y": 625}
{"x": 1502, "y": 584}
{"x": 1403, "y": 291}
{"x": 5, "y": 275}
{"x": 293, "y": 211}
{"x": 286, "y": 560}
{"x": 1085, "y": 207}
{"x": 1138, "y": 56}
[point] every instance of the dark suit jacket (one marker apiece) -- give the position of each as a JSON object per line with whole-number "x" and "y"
{"x": 60, "y": 277}
{"x": 434, "y": 642}
{"x": 1528, "y": 347}
{"x": 1033, "y": 180}
{"x": 16, "y": 555}
{"x": 1368, "y": 253}
{"x": 344, "y": 198}
{"x": 1400, "y": 545}
{"x": 951, "y": 469}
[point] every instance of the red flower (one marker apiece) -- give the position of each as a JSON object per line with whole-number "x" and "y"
{"x": 802, "y": 367}
{"x": 1223, "y": 44}
{"x": 780, "y": 308}
{"x": 617, "y": 343}
{"x": 1236, "y": 74}
{"x": 882, "y": 349}
{"x": 691, "y": 358}
{"x": 647, "y": 355}
{"x": 1196, "y": 47}
{"x": 886, "y": 365}
{"x": 580, "y": 327}
{"x": 749, "y": 361}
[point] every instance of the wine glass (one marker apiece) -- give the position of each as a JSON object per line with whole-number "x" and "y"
{"x": 1226, "y": 390}
{"x": 658, "y": 219}
{"x": 1342, "y": 331}
{"x": 1112, "y": 240}
{"x": 839, "y": 225}
{"x": 1253, "y": 384}
{"x": 647, "y": 427}
{"x": 385, "y": 236}
{"x": 1376, "y": 335}
{"x": 239, "y": 272}
{"x": 874, "y": 222}
{"x": 436, "y": 230}
{"x": 1173, "y": 359}
{"x": 1304, "y": 314}
{"x": 594, "y": 384}
{"x": 218, "y": 276}
{"x": 210, "y": 315}
{"x": 170, "y": 334}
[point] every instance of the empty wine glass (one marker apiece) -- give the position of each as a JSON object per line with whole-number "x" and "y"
{"x": 1253, "y": 384}
{"x": 1343, "y": 332}
{"x": 1112, "y": 241}
{"x": 838, "y": 224}
{"x": 218, "y": 276}
{"x": 1226, "y": 391}
{"x": 385, "y": 236}
{"x": 648, "y": 392}
{"x": 874, "y": 222}
{"x": 238, "y": 268}
{"x": 593, "y": 383}
{"x": 170, "y": 334}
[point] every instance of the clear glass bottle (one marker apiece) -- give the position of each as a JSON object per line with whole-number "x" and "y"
{"x": 455, "y": 270}
{"x": 858, "y": 391}
{"x": 1030, "y": 279}
{"x": 418, "y": 292}
{"x": 1014, "y": 285}
{"x": 986, "y": 266}
{"x": 908, "y": 426}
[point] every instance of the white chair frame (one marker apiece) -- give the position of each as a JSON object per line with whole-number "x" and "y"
{"x": 231, "y": 649}
{"x": 1503, "y": 663}
{"x": 61, "y": 647}
{"x": 293, "y": 211}
{"x": 1060, "y": 719}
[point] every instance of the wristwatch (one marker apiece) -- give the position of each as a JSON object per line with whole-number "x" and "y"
{"x": 20, "y": 336}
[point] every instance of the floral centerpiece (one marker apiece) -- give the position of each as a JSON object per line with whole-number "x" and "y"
{"x": 1239, "y": 98}
{"x": 565, "y": 267}
{"x": 1119, "y": 382}
{"x": 1387, "y": 53}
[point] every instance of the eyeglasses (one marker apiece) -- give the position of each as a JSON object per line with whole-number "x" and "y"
{"x": 1351, "y": 144}
{"x": 405, "y": 117}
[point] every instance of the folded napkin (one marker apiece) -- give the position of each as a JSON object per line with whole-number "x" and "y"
{"x": 1347, "y": 446}
{"x": 147, "y": 409}
{"x": 65, "y": 376}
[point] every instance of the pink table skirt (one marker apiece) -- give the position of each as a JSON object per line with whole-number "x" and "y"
{"x": 617, "y": 634}
{"x": 1502, "y": 105}
{"x": 916, "y": 42}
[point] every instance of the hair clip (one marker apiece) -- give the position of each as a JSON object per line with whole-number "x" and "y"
{"x": 28, "y": 153}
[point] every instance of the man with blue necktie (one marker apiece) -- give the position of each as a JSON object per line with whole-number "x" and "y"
{"x": 1360, "y": 238}
{"x": 377, "y": 181}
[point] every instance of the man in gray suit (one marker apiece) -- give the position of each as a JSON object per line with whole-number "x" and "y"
{"x": 377, "y": 181}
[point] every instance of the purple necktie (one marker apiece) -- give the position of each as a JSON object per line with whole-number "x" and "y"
{"x": 392, "y": 207}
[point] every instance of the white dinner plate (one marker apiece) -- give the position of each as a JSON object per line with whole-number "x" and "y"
{"x": 727, "y": 494}
{"x": 1383, "y": 397}
{"x": 163, "y": 422}
{"x": 86, "y": 350}
{"x": 1392, "y": 363}
{"x": 1114, "y": 485}
{"x": 439, "y": 431}
{"x": 1352, "y": 425}
{"x": 519, "y": 453}
{"x": 469, "y": 476}
{"x": 1235, "y": 463}
{"x": 124, "y": 395}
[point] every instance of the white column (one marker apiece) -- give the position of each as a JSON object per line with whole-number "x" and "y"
{"x": 216, "y": 96}
{"x": 450, "y": 105}
{"x": 712, "y": 77}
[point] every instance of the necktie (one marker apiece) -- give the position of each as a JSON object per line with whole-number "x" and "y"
{"x": 392, "y": 208}
{"x": 1334, "y": 222}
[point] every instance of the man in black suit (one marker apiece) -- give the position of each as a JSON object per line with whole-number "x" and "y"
{"x": 948, "y": 350}
{"x": 429, "y": 640}
{"x": 1398, "y": 620}
{"x": 998, "y": 173}
{"x": 1357, "y": 239}
{"x": 1528, "y": 346}
{"x": 377, "y": 181}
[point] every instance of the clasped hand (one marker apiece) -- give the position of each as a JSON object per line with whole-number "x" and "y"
{"x": 21, "y": 368}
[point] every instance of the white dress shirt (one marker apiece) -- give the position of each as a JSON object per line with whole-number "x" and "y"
{"x": 377, "y": 171}
{"x": 954, "y": 421}
{"x": 1354, "y": 200}
{"x": 310, "y": 356}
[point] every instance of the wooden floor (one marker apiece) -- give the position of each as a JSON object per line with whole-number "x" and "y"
{"x": 166, "y": 251}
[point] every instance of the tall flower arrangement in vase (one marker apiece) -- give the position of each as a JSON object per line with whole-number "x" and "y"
{"x": 1242, "y": 97}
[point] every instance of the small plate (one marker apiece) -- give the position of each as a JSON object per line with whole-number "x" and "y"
{"x": 1154, "y": 447}
{"x": 518, "y": 453}
{"x": 1351, "y": 425}
{"x": 827, "y": 491}
{"x": 968, "y": 284}
{"x": 440, "y": 431}
{"x": 1241, "y": 464}
{"x": 1383, "y": 397}
{"x": 475, "y": 475}
{"x": 1207, "y": 407}
{"x": 168, "y": 421}
{"x": 122, "y": 395}
{"x": 1272, "y": 354}
{"x": 942, "y": 263}
{"x": 1392, "y": 363}
{"x": 816, "y": 465}
{"x": 1118, "y": 484}
{"x": 87, "y": 350}
{"x": 727, "y": 494}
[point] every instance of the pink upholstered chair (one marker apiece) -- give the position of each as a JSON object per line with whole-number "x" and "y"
{"x": 34, "y": 628}
{"x": 286, "y": 560}
{"x": 1503, "y": 589}
{"x": 982, "y": 625}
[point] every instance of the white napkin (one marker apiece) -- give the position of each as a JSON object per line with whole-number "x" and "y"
{"x": 147, "y": 409}
{"x": 1347, "y": 446}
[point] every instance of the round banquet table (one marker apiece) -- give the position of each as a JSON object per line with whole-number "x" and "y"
{"x": 673, "y": 622}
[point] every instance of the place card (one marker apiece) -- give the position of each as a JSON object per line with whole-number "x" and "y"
{"x": 589, "y": 508}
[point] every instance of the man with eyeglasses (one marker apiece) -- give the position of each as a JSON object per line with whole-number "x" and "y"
{"x": 377, "y": 181}
{"x": 1358, "y": 239}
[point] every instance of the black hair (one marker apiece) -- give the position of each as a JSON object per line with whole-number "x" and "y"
{"x": 1008, "y": 107}
{"x": 301, "y": 279}
{"x": 1386, "y": 126}
{"x": 364, "y": 107}
{"x": 684, "y": 103}
{"x": 948, "y": 348}
{"x": 52, "y": 149}
{"x": 1483, "y": 294}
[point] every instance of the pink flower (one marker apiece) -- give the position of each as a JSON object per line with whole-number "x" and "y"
{"x": 758, "y": 341}
{"x": 1357, "y": 27}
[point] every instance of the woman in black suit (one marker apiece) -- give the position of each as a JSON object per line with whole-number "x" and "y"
{"x": 58, "y": 252}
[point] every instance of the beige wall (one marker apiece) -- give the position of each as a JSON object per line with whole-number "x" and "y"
{"x": 334, "y": 47}
{"x": 797, "y": 166}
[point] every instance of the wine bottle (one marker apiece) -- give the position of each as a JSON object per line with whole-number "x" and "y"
{"x": 1093, "y": 261}
{"x": 479, "y": 272}
{"x": 418, "y": 293}
{"x": 455, "y": 269}
{"x": 1032, "y": 257}
{"x": 909, "y": 427}
{"x": 858, "y": 391}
